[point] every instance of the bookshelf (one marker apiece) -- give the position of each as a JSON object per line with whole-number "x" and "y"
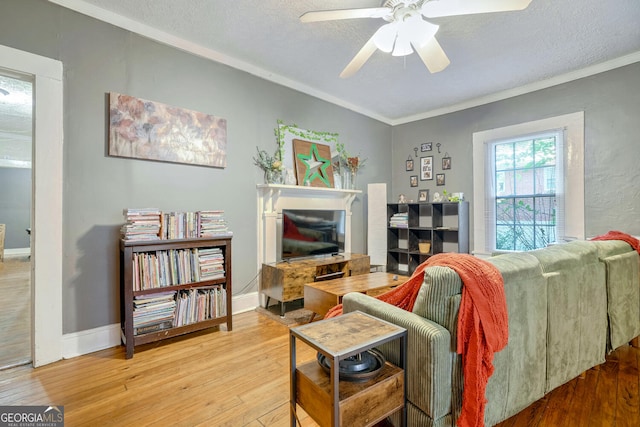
{"x": 173, "y": 287}
{"x": 443, "y": 226}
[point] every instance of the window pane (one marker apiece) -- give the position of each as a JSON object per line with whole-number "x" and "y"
{"x": 524, "y": 154}
{"x": 525, "y": 203}
{"x": 545, "y": 213}
{"x": 504, "y": 211}
{"x": 504, "y": 238}
{"x": 524, "y": 238}
{"x": 546, "y": 180}
{"x": 504, "y": 156}
{"x": 504, "y": 183}
{"x": 545, "y": 151}
{"x": 524, "y": 182}
{"x": 544, "y": 236}
{"x": 524, "y": 210}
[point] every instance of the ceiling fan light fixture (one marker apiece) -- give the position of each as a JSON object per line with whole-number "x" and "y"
{"x": 408, "y": 30}
{"x": 420, "y": 31}
{"x": 403, "y": 45}
{"x": 385, "y": 37}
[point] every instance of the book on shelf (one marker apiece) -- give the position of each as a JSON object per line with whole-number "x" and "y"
{"x": 172, "y": 267}
{"x": 152, "y": 224}
{"x": 142, "y": 224}
{"x": 153, "y": 312}
{"x": 199, "y": 304}
{"x": 399, "y": 220}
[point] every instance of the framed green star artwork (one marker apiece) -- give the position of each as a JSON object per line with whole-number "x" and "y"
{"x": 313, "y": 163}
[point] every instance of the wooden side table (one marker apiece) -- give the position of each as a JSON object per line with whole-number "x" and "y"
{"x": 331, "y": 402}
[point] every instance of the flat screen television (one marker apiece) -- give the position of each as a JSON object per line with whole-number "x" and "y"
{"x": 312, "y": 232}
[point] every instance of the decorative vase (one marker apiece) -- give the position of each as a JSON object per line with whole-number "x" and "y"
{"x": 337, "y": 180}
{"x": 346, "y": 180}
{"x": 354, "y": 176}
{"x": 272, "y": 176}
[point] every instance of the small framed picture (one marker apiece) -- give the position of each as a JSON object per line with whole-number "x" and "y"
{"x": 439, "y": 179}
{"x": 426, "y": 168}
{"x": 413, "y": 180}
{"x": 409, "y": 165}
{"x": 423, "y": 195}
{"x": 446, "y": 163}
{"x": 426, "y": 146}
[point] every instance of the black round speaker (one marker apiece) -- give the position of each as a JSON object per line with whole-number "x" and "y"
{"x": 360, "y": 367}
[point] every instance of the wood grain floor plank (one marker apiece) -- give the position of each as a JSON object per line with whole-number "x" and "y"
{"x": 605, "y": 395}
{"x": 241, "y": 378}
{"x": 582, "y": 404}
{"x": 15, "y": 311}
{"x": 559, "y": 403}
{"x": 627, "y": 412}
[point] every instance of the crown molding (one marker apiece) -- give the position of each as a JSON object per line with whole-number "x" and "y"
{"x": 521, "y": 90}
{"x": 199, "y": 50}
{"x": 160, "y": 36}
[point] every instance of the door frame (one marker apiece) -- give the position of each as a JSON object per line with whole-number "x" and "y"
{"x": 46, "y": 211}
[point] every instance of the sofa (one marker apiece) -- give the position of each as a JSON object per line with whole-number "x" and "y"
{"x": 568, "y": 305}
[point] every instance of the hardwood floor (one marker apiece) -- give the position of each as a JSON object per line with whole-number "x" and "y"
{"x": 15, "y": 311}
{"x": 217, "y": 378}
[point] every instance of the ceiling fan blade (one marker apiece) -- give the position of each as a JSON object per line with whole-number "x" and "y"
{"x": 438, "y": 8}
{"x": 358, "y": 61}
{"x": 432, "y": 55}
{"x": 332, "y": 15}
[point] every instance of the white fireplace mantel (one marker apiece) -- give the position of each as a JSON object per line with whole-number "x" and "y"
{"x": 272, "y": 198}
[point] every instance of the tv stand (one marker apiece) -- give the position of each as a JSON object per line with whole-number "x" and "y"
{"x": 284, "y": 281}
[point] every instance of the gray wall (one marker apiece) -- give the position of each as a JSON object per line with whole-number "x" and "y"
{"x": 99, "y": 58}
{"x": 15, "y": 206}
{"x": 611, "y": 106}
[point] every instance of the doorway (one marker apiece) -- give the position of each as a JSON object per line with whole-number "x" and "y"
{"x": 16, "y": 146}
{"x": 46, "y": 210}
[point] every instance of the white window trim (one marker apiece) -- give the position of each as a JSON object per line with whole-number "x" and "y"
{"x": 573, "y": 124}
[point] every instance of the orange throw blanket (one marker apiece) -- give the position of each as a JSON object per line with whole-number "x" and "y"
{"x": 483, "y": 328}
{"x": 482, "y": 323}
{"x": 619, "y": 235}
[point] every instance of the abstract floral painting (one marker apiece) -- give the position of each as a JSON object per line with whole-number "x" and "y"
{"x": 150, "y": 130}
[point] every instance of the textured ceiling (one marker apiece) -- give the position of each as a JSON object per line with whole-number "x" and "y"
{"x": 15, "y": 122}
{"x": 489, "y": 53}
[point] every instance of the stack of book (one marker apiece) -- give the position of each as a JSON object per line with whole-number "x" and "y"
{"x": 152, "y": 224}
{"x": 213, "y": 224}
{"x": 399, "y": 220}
{"x": 142, "y": 224}
{"x": 152, "y": 313}
{"x": 211, "y": 262}
{"x": 199, "y": 304}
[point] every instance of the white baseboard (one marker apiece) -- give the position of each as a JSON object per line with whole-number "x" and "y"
{"x": 90, "y": 340}
{"x": 18, "y": 252}
{"x": 85, "y": 342}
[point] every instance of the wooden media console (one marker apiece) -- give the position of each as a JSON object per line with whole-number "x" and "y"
{"x": 284, "y": 281}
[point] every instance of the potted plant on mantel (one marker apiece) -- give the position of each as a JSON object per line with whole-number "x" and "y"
{"x": 271, "y": 165}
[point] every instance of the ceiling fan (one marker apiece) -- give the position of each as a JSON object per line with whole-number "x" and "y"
{"x": 406, "y": 29}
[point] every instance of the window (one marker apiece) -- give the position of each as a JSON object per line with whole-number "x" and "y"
{"x": 528, "y": 184}
{"x": 525, "y": 200}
